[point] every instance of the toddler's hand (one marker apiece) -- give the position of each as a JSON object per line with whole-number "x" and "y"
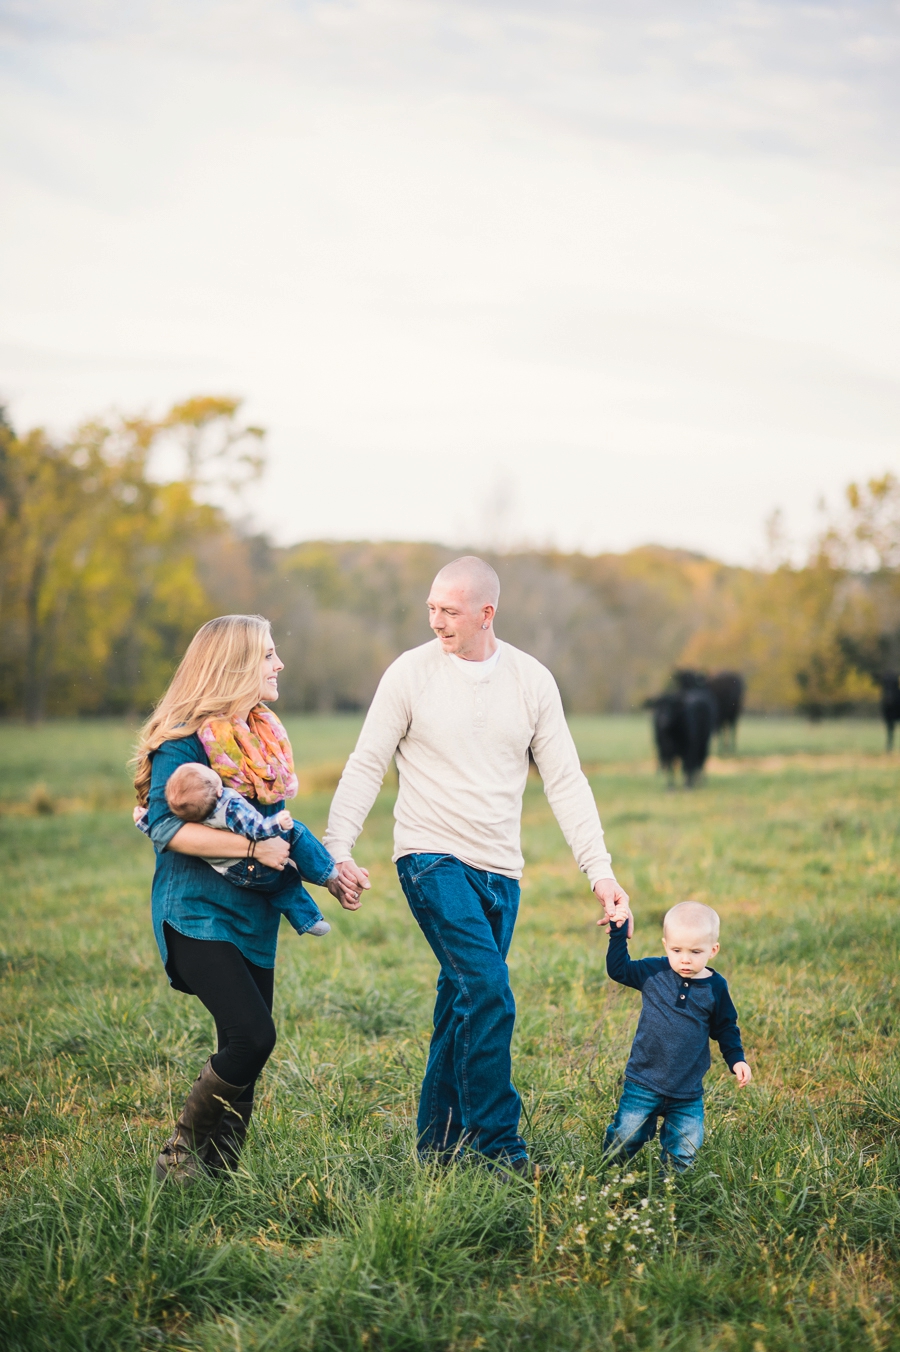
{"x": 138, "y": 814}
{"x": 743, "y": 1073}
{"x": 284, "y": 820}
{"x": 610, "y": 895}
{"x": 620, "y": 915}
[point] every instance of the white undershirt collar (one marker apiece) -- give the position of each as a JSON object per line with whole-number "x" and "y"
{"x": 477, "y": 671}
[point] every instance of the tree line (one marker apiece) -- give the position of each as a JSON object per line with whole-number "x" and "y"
{"x": 108, "y": 567}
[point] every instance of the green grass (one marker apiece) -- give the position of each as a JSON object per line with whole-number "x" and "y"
{"x": 86, "y": 760}
{"x": 628, "y": 737}
{"x": 786, "y": 1235}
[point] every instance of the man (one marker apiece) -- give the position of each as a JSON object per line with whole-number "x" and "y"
{"x": 460, "y": 714}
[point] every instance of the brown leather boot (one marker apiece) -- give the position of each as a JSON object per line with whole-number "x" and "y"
{"x": 227, "y": 1141}
{"x": 183, "y": 1157}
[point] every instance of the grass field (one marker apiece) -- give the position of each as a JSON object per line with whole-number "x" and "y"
{"x": 786, "y": 1235}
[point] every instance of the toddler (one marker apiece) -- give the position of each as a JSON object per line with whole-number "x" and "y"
{"x": 195, "y": 793}
{"x": 683, "y": 1004}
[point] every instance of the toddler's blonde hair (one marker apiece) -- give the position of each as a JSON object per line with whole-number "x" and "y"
{"x": 694, "y": 916}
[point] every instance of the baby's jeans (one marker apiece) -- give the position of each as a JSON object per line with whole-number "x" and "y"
{"x": 635, "y": 1124}
{"x": 311, "y": 861}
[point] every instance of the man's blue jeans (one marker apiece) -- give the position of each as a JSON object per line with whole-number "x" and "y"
{"x": 635, "y": 1124}
{"x": 468, "y": 1101}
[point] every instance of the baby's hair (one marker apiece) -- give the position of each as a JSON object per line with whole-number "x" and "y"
{"x": 694, "y": 916}
{"x": 191, "y": 793}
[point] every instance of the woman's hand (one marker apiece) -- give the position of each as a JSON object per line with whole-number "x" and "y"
{"x": 337, "y": 889}
{"x": 273, "y": 852}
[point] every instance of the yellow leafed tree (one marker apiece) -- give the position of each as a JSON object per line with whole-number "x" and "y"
{"x": 99, "y": 582}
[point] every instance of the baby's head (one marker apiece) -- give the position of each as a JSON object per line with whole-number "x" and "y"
{"x": 192, "y": 791}
{"x": 690, "y": 937}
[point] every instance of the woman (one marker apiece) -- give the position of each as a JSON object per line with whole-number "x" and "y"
{"x": 218, "y": 941}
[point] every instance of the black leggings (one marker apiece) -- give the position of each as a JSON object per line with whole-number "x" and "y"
{"x": 238, "y": 995}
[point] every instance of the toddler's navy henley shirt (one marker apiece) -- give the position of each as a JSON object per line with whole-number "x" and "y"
{"x": 670, "y": 1052}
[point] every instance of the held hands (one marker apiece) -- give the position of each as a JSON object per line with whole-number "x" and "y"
{"x": 615, "y": 903}
{"x": 743, "y": 1073}
{"x": 347, "y": 884}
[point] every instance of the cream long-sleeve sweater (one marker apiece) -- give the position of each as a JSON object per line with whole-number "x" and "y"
{"x": 462, "y": 755}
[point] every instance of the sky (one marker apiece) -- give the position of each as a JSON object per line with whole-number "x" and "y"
{"x": 547, "y": 272}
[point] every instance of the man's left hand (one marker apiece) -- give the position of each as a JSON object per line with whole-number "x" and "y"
{"x": 610, "y": 895}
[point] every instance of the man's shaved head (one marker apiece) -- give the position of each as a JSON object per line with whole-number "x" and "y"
{"x": 461, "y": 607}
{"x": 474, "y": 577}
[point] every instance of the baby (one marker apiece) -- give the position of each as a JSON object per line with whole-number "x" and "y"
{"x": 684, "y": 1003}
{"x": 195, "y": 793}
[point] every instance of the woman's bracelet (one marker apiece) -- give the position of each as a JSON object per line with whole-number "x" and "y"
{"x": 251, "y": 848}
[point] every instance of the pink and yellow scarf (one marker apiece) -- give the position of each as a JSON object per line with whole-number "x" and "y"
{"x": 254, "y": 758}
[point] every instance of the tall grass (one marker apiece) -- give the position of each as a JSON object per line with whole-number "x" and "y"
{"x": 786, "y": 1234}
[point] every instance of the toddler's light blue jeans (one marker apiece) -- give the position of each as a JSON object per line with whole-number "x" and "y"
{"x": 635, "y": 1124}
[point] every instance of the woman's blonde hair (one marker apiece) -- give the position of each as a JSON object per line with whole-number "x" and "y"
{"x": 218, "y": 677}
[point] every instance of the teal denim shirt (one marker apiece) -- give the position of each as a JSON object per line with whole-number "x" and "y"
{"x": 188, "y": 893}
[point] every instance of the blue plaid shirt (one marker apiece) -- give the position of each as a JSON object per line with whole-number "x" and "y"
{"x": 232, "y": 812}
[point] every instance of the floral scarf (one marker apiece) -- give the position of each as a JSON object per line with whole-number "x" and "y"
{"x": 255, "y": 757}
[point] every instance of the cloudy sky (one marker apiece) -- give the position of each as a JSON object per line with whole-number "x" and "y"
{"x": 565, "y": 271}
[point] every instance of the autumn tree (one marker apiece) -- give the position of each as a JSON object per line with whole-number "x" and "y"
{"x": 118, "y": 542}
{"x": 866, "y": 542}
{"x": 816, "y": 635}
{"x": 99, "y": 582}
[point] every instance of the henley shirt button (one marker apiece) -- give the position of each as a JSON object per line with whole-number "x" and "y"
{"x": 681, "y": 997}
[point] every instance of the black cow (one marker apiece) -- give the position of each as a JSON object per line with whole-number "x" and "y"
{"x": 890, "y": 704}
{"x": 727, "y": 689}
{"x": 683, "y": 722}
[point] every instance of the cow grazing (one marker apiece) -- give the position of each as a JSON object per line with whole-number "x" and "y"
{"x": 727, "y": 688}
{"x": 683, "y": 721}
{"x": 890, "y": 704}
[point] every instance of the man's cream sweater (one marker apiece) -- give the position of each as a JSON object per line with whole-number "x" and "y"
{"x": 462, "y": 755}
